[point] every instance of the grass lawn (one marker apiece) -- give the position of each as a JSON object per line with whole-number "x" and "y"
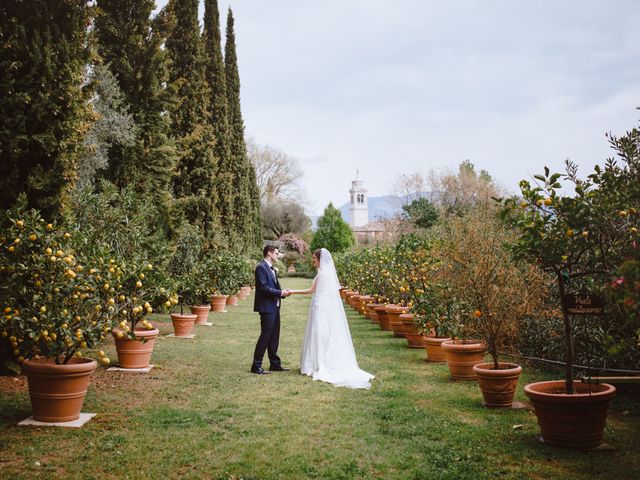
{"x": 201, "y": 414}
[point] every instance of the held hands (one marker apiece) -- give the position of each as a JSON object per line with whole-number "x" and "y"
{"x": 286, "y": 293}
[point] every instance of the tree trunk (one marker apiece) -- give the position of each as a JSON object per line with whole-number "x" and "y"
{"x": 568, "y": 369}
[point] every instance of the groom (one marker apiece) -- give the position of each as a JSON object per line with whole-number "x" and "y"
{"x": 267, "y": 303}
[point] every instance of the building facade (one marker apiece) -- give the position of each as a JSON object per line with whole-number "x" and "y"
{"x": 365, "y": 232}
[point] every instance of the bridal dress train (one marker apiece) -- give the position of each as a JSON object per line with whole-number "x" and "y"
{"x": 327, "y": 349}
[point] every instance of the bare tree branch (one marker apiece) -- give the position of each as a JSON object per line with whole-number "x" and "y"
{"x": 277, "y": 174}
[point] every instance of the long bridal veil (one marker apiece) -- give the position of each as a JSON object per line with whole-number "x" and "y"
{"x": 327, "y": 350}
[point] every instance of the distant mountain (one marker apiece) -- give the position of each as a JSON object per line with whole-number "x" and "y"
{"x": 379, "y": 207}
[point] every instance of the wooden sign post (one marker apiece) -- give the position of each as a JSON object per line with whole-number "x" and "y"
{"x": 583, "y": 304}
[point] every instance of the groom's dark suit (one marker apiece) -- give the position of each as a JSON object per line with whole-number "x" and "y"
{"x": 267, "y": 303}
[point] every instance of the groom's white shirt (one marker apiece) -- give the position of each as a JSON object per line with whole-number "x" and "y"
{"x": 270, "y": 268}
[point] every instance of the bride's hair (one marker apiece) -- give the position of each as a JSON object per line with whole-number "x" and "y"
{"x": 316, "y": 253}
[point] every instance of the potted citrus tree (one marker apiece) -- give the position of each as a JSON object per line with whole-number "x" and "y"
{"x": 53, "y": 310}
{"x": 435, "y": 319}
{"x": 140, "y": 290}
{"x": 498, "y": 292}
{"x": 463, "y": 351}
{"x": 186, "y": 268}
{"x": 217, "y": 282}
{"x": 226, "y": 276}
{"x": 581, "y": 240}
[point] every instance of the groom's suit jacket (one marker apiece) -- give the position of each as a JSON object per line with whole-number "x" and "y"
{"x": 268, "y": 290}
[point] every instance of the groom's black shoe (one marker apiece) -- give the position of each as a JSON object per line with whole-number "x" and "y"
{"x": 259, "y": 371}
{"x": 279, "y": 368}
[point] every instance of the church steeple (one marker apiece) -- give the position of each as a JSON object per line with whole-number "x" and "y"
{"x": 359, "y": 207}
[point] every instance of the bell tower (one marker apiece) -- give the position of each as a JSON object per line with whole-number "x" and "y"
{"x": 359, "y": 207}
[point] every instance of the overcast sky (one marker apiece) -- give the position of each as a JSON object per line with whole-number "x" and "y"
{"x": 391, "y": 87}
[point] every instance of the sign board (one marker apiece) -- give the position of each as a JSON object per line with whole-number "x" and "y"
{"x": 583, "y": 304}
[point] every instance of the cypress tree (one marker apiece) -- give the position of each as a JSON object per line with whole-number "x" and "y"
{"x": 194, "y": 182}
{"x": 130, "y": 43}
{"x": 247, "y": 211}
{"x": 215, "y": 74}
{"x": 254, "y": 230}
{"x": 44, "y": 114}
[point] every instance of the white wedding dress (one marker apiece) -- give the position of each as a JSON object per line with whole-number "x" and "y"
{"x": 327, "y": 349}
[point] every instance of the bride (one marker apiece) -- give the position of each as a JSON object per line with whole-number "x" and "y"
{"x": 327, "y": 349}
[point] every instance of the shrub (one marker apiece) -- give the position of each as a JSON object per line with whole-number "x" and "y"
{"x": 295, "y": 243}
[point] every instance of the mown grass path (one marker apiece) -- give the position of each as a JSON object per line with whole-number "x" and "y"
{"x": 201, "y": 414}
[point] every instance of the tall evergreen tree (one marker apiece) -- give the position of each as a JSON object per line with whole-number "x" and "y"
{"x": 215, "y": 74}
{"x": 332, "y": 233}
{"x": 130, "y": 43}
{"x": 254, "y": 230}
{"x": 194, "y": 183}
{"x": 246, "y": 207}
{"x": 44, "y": 114}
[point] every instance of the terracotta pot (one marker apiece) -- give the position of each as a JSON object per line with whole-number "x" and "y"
{"x": 433, "y": 346}
{"x": 383, "y": 318}
{"x": 462, "y": 356}
{"x": 342, "y": 292}
{"x": 373, "y": 313}
{"x": 364, "y": 301}
{"x": 183, "y": 323}
{"x": 353, "y": 301}
{"x": 136, "y": 353}
{"x": 218, "y": 302}
{"x": 414, "y": 338}
{"x": 201, "y": 312}
{"x": 232, "y": 300}
{"x": 498, "y": 386}
{"x": 394, "y": 312}
{"x": 571, "y": 421}
{"x": 350, "y": 294}
{"x": 57, "y": 391}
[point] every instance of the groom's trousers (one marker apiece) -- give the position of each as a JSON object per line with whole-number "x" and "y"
{"x": 268, "y": 340}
